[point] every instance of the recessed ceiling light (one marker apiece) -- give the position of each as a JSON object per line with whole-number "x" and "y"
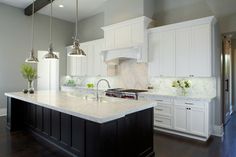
{"x": 61, "y": 6}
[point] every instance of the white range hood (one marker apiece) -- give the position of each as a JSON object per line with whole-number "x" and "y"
{"x": 113, "y": 57}
{"x": 126, "y": 40}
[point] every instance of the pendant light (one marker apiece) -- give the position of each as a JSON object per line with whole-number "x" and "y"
{"x": 76, "y": 50}
{"x": 32, "y": 58}
{"x": 50, "y": 55}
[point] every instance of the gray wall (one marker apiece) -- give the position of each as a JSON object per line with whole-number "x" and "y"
{"x": 228, "y": 23}
{"x": 15, "y": 45}
{"x": 120, "y": 10}
{"x": 168, "y": 12}
{"x": 90, "y": 28}
{"x": 114, "y": 12}
{"x": 173, "y": 11}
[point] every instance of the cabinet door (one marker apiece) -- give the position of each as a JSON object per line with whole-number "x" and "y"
{"x": 72, "y": 66}
{"x": 200, "y": 57}
{"x": 154, "y": 55}
{"x": 100, "y": 68}
{"x": 123, "y": 37}
{"x": 90, "y": 59}
{"x": 180, "y": 118}
{"x": 183, "y": 49}
{"x": 82, "y": 63}
{"x": 167, "y": 54}
{"x": 54, "y": 74}
{"x": 196, "y": 121}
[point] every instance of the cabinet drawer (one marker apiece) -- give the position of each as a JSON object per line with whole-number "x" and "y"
{"x": 198, "y": 104}
{"x": 165, "y": 110}
{"x": 162, "y": 100}
{"x": 164, "y": 122}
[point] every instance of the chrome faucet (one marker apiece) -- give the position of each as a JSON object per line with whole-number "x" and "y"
{"x": 98, "y": 85}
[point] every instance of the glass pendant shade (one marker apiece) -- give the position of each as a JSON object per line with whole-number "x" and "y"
{"x": 50, "y": 55}
{"x": 76, "y": 50}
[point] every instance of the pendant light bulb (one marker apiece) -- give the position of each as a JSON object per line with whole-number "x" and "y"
{"x": 50, "y": 55}
{"x": 32, "y": 58}
{"x": 76, "y": 50}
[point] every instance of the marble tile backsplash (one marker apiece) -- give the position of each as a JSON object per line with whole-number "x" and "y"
{"x": 131, "y": 74}
{"x": 200, "y": 86}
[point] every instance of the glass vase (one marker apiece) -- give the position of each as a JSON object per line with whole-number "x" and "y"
{"x": 31, "y": 86}
{"x": 182, "y": 92}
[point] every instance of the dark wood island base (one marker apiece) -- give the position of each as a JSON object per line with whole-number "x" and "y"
{"x": 130, "y": 136}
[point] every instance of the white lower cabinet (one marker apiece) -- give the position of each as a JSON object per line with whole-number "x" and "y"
{"x": 163, "y": 121}
{"x": 190, "y": 119}
{"x": 196, "y": 121}
{"x": 182, "y": 116}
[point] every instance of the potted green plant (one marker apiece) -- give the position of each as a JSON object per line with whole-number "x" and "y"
{"x": 30, "y": 74}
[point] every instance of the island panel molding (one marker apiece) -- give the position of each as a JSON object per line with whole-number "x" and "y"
{"x": 129, "y": 136}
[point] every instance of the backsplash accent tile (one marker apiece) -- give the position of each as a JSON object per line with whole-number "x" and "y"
{"x": 132, "y": 74}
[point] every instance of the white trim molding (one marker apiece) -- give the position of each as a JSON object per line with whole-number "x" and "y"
{"x": 218, "y": 130}
{"x": 3, "y": 112}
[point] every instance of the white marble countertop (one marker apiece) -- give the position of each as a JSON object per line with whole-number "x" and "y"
{"x": 90, "y": 109}
{"x": 187, "y": 97}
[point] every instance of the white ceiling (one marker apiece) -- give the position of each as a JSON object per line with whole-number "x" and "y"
{"x": 87, "y": 8}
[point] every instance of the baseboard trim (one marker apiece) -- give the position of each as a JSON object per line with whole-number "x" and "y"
{"x": 184, "y": 135}
{"x": 218, "y": 130}
{"x": 3, "y": 112}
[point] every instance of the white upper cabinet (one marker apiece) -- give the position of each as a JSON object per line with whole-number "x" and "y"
{"x": 184, "y": 49}
{"x": 167, "y": 53}
{"x": 92, "y": 64}
{"x": 154, "y": 56}
{"x": 201, "y": 50}
{"x": 128, "y": 34}
{"x": 162, "y": 54}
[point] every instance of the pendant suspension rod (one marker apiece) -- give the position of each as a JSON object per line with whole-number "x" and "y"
{"x": 77, "y": 19}
{"x": 50, "y": 39}
{"x": 32, "y": 27}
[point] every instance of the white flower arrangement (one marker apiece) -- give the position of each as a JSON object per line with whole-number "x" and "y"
{"x": 182, "y": 84}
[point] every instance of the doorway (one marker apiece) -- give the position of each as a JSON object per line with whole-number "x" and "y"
{"x": 228, "y": 76}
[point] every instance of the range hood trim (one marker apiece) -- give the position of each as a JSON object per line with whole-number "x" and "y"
{"x": 114, "y": 56}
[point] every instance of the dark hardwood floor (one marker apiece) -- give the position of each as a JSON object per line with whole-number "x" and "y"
{"x": 21, "y": 144}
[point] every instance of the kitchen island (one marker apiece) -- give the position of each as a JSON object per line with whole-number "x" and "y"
{"x": 83, "y": 126}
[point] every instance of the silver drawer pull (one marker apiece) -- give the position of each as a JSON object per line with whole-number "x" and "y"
{"x": 188, "y": 103}
{"x": 159, "y": 109}
{"x": 159, "y": 100}
{"x": 159, "y": 121}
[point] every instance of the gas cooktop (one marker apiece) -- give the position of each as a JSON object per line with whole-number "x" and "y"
{"x": 124, "y": 93}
